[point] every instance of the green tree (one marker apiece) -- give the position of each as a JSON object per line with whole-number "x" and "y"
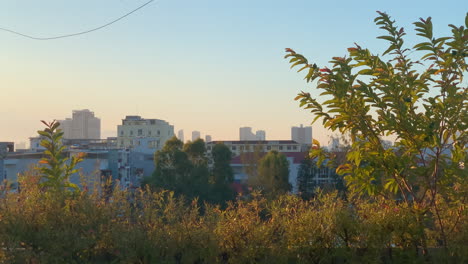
{"x": 173, "y": 168}
{"x": 305, "y": 178}
{"x": 199, "y": 174}
{"x": 182, "y": 169}
{"x": 273, "y": 174}
{"x": 57, "y": 168}
{"x": 222, "y": 175}
{"x": 421, "y": 102}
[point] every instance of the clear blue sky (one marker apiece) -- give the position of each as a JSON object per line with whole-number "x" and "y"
{"x": 208, "y": 65}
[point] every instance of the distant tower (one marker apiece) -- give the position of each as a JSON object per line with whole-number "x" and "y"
{"x": 207, "y": 138}
{"x": 180, "y": 135}
{"x": 82, "y": 125}
{"x": 302, "y": 135}
{"x": 260, "y": 134}
{"x": 245, "y": 133}
{"x": 195, "y": 135}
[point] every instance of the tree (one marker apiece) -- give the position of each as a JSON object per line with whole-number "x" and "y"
{"x": 305, "y": 178}
{"x": 57, "y": 169}
{"x": 184, "y": 170}
{"x": 420, "y": 102}
{"x": 273, "y": 174}
{"x": 222, "y": 175}
{"x": 173, "y": 168}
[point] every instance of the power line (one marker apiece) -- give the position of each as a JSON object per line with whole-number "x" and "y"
{"x": 78, "y": 33}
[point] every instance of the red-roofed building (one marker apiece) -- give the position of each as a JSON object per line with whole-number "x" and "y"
{"x": 246, "y": 152}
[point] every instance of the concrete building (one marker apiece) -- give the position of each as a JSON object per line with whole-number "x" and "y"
{"x": 207, "y": 138}
{"x": 246, "y": 152}
{"x": 245, "y": 133}
{"x": 35, "y": 144}
{"x": 5, "y": 148}
{"x": 180, "y": 135}
{"x": 195, "y": 135}
{"x": 139, "y": 132}
{"x": 126, "y": 166}
{"x": 241, "y": 146}
{"x": 302, "y": 135}
{"x": 82, "y": 125}
{"x": 260, "y": 135}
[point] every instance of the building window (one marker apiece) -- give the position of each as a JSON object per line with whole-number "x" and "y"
{"x": 140, "y": 132}
{"x": 121, "y": 133}
{"x": 280, "y": 148}
{"x": 247, "y": 148}
{"x": 233, "y": 148}
{"x": 131, "y": 132}
{"x": 268, "y": 147}
{"x": 208, "y": 148}
{"x": 152, "y": 122}
{"x": 159, "y": 132}
{"x": 295, "y": 147}
{"x": 289, "y": 147}
{"x": 149, "y": 132}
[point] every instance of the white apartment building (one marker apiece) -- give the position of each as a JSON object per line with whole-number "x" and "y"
{"x": 195, "y": 135}
{"x": 245, "y": 133}
{"x": 180, "y": 135}
{"x": 82, "y": 125}
{"x": 302, "y": 135}
{"x": 149, "y": 134}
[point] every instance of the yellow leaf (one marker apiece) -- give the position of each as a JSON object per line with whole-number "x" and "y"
{"x": 316, "y": 142}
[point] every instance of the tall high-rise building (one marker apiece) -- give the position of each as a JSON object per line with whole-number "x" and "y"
{"x": 207, "y": 138}
{"x": 260, "y": 134}
{"x": 195, "y": 135}
{"x": 82, "y": 125}
{"x": 180, "y": 135}
{"x": 136, "y": 132}
{"x": 302, "y": 135}
{"x": 245, "y": 133}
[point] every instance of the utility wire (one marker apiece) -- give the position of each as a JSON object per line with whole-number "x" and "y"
{"x": 78, "y": 33}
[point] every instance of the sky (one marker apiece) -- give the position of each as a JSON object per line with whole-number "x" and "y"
{"x": 206, "y": 65}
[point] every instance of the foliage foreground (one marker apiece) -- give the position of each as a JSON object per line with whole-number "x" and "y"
{"x": 156, "y": 227}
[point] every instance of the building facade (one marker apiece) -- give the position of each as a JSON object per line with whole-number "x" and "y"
{"x": 180, "y": 135}
{"x": 302, "y": 135}
{"x": 82, "y": 125}
{"x": 195, "y": 135}
{"x": 148, "y": 134}
{"x": 246, "y": 133}
{"x": 247, "y": 152}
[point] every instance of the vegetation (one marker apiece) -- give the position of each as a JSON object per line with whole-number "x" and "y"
{"x": 420, "y": 102}
{"x": 57, "y": 170}
{"x": 405, "y": 203}
{"x": 184, "y": 170}
{"x": 157, "y": 227}
{"x": 273, "y": 175}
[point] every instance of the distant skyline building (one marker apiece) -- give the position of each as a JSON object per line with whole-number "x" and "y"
{"x": 180, "y": 135}
{"x": 195, "y": 135}
{"x": 245, "y": 133}
{"x": 82, "y": 125}
{"x": 149, "y": 134}
{"x": 260, "y": 135}
{"x": 208, "y": 138}
{"x": 302, "y": 134}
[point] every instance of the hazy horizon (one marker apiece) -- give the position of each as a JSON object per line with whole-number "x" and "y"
{"x": 211, "y": 66}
